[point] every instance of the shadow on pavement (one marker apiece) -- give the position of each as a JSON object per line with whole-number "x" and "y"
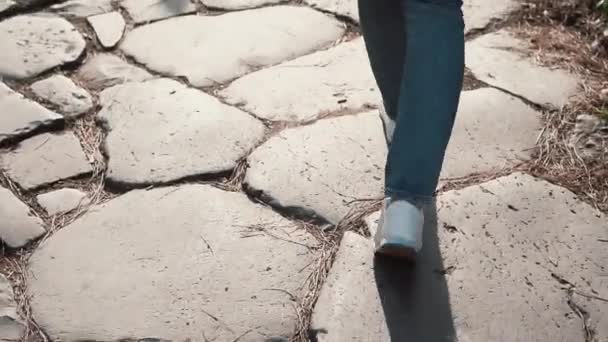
{"x": 415, "y": 300}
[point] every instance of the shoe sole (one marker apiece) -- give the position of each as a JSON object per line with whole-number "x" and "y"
{"x": 397, "y": 251}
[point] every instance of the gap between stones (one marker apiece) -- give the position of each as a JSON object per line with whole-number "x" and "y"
{"x": 570, "y": 289}
{"x": 496, "y": 24}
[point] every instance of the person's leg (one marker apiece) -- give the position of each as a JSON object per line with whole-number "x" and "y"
{"x": 383, "y": 28}
{"x": 429, "y": 93}
{"x": 429, "y": 96}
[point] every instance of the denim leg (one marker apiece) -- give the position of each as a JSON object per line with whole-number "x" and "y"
{"x": 428, "y": 96}
{"x": 383, "y": 27}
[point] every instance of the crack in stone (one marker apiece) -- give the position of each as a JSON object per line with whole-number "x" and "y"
{"x": 584, "y": 315}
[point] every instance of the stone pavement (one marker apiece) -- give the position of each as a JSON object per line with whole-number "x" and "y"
{"x": 185, "y": 92}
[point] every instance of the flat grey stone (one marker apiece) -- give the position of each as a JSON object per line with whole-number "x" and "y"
{"x": 160, "y": 131}
{"x": 480, "y": 13}
{"x": 493, "y": 130}
{"x": 148, "y": 10}
{"x": 237, "y": 4}
{"x": 19, "y": 116}
{"x": 65, "y": 94}
{"x": 338, "y": 79}
{"x": 108, "y": 27}
{"x": 82, "y": 8}
{"x": 11, "y": 325}
{"x": 189, "y": 262}
{"x": 347, "y": 8}
{"x": 33, "y": 44}
{"x": 499, "y": 59}
{"x": 62, "y": 200}
{"x": 322, "y": 168}
{"x": 45, "y": 159}
{"x": 105, "y": 70}
{"x": 256, "y": 38}
{"x": 505, "y": 245}
{"x": 513, "y": 236}
{"x": 17, "y": 226}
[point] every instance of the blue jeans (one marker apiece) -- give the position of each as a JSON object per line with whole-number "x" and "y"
{"x": 416, "y": 51}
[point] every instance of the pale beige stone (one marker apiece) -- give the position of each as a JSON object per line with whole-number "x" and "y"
{"x": 17, "y": 225}
{"x": 105, "y": 70}
{"x": 338, "y": 79}
{"x": 493, "y": 130}
{"x": 480, "y": 13}
{"x": 323, "y": 168}
{"x": 30, "y": 45}
{"x": 62, "y": 200}
{"x": 502, "y": 60}
{"x": 82, "y": 8}
{"x": 161, "y": 130}
{"x": 347, "y": 8}
{"x": 108, "y": 27}
{"x": 210, "y": 50}
{"x": 20, "y": 116}
{"x": 149, "y": 10}
{"x": 45, "y": 159}
{"x": 172, "y": 263}
{"x": 507, "y": 240}
{"x": 59, "y": 90}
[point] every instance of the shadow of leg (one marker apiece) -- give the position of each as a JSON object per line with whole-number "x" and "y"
{"x": 415, "y": 299}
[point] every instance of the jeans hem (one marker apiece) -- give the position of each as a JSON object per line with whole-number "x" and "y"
{"x": 403, "y": 195}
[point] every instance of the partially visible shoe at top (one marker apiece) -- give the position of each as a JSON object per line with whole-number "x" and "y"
{"x": 399, "y": 231}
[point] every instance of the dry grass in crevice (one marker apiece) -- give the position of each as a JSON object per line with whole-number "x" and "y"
{"x": 557, "y": 160}
{"x": 328, "y": 248}
{"x": 235, "y": 182}
{"x": 560, "y": 163}
{"x": 14, "y": 269}
{"x": 458, "y": 183}
{"x": 7, "y": 183}
{"x": 586, "y": 18}
{"x": 355, "y": 220}
{"x": 91, "y": 139}
{"x": 558, "y": 46}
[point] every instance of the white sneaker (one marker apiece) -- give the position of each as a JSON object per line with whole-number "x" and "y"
{"x": 399, "y": 229}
